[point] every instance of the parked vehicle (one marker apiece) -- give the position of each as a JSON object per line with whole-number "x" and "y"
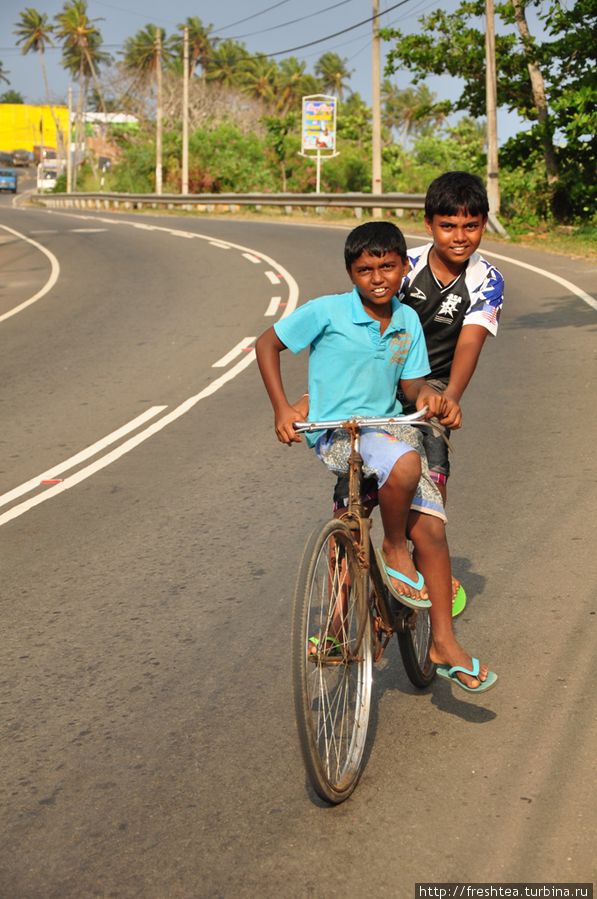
{"x": 42, "y": 153}
{"x": 8, "y": 180}
{"x": 46, "y": 177}
{"x": 21, "y": 157}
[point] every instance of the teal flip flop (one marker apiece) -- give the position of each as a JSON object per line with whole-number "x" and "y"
{"x": 335, "y": 649}
{"x": 387, "y": 573}
{"x": 459, "y": 602}
{"x": 450, "y": 674}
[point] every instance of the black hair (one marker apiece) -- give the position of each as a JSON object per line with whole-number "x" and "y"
{"x": 456, "y": 191}
{"x": 376, "y": 238}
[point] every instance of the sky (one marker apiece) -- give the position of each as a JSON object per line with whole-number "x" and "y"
{"x": 269, "y": 27}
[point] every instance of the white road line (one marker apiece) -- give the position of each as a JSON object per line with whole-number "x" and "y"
{"x": 130, "y": 444}
{"x": 577, "y": 291}
{"x": 244, "y": 345}
{"x": 252, "y": 258}
{"x": 273, "y": 305}
{"x": 216, "y": 243}
{"x": 81, "y": 456}
{"x": 88, "y": 230}
{"x": 54, "y": 274}
{"x": 272, "y": 277}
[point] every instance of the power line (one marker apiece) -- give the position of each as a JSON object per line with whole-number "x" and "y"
{"x": 237, "y": 37}
{"x": 336, "y": 33}
{"x": 248, "y": 18}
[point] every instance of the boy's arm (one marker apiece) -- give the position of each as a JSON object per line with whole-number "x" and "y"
{"x": 466, "y": 355}
{"x": 445, "y": 408}
{"x": 268, "y": 349}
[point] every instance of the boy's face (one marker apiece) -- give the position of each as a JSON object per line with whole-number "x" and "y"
{"x": 456, "y": 237}
{"x": 377, "y": 278}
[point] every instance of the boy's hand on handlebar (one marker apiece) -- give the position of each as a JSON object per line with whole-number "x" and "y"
{"x": 440, "y": 406}
{"x": 451, "y": 416}
{"x": 284, "y": 424}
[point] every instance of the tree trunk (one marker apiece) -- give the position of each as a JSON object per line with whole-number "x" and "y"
{"x": 538, "y": 90}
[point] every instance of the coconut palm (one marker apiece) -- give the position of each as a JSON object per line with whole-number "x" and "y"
{"x": 333, "y": 74}
{"x": 224, "y": 64}
{"x": 409, "y": 110}
{"x": 34, "y": 34}
{"x": 81, "y": 42}
{"x": 259, "y": 78}
{"x": 145, "y": 55}
{"x": 201, "y": 45}
{"x": 293, "y": 84}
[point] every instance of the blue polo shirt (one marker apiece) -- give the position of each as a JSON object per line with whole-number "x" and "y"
{"x": 353, "y": 368}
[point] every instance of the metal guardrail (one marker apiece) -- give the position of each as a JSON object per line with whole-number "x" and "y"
{"x": 232, "y": 202}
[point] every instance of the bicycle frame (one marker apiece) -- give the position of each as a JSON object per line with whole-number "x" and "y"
{"x": 385, "y": 618}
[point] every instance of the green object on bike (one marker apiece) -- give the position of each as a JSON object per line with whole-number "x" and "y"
{"x": 334, "y": 649}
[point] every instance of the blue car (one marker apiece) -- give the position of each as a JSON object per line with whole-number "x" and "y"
{"x": 8, "y": 180}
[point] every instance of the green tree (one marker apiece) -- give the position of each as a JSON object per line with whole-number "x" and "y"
{"x": 225, "y": 63}
{"x": 259, "y": 78}
{"x": 34, "y": 33}
{"x": 293, "y": 84}
{"x": 201, "y": 44}
{"x": 11, "y": 97}
{"x": 409, "y": 110}
{"x": 333, "y": 74}
{"x": 140, "y": 53}
{"x": 453, "y": 44}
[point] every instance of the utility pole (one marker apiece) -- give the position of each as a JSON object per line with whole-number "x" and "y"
{"x": 69, "y": 161}
{"x": 376, "y": 186}
{"x": 158, "y": 115}
{"x": 185, "y": 111}
{"x": 493, "y": 184}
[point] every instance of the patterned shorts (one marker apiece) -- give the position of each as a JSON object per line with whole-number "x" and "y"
{"x": 381, "y": 448}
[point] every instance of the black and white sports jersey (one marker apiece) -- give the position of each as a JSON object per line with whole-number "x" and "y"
{"x": 474, "y": 298}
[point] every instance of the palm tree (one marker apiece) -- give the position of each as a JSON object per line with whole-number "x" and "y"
{"x": 410, "y": 109}
{"x": 3, "y": 74}
{"x": 81, "y": 55}
{"x": 260, "y": 78}
{"x": 200, "y": 44}
{"x": 224, "y": 64}
{"x": 34, "y": 34}
{"x": 332, "y": 71}
{"x": 145, "y": 55}
{"x": 293, "y": 84}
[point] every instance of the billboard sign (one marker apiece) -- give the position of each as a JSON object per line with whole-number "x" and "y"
{"x": 319, "y": 123}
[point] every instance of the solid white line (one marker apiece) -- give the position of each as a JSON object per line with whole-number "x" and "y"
{"x": 215, "y": 243}
{"x": 273, "y": 277}
{"x": 88, "y": 230}
{"x": 80, "y": 456}
{"x": 273, "y": 305}
{"x": 578, "y": 291}
{"x": 240, "y": 347}
{"x": 54, "y": 274}
{"x": 252, "y": 258}
{"x": 128, "y": 445}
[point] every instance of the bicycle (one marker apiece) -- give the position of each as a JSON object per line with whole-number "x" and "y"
{"x": 343, "y": 620}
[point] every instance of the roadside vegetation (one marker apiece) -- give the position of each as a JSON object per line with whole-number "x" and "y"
{"x": 244, "y": 110}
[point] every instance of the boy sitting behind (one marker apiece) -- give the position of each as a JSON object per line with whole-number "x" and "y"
{"x": 363, "y": 345}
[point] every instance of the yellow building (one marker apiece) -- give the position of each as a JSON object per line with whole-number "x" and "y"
{"x": 22, "y": 126}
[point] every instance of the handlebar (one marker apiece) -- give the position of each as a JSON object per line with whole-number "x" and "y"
{"x": 415, "y": 418}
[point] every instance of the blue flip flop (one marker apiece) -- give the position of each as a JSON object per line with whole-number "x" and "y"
{"x": 450, "y": 674}
{"x": 387, "y": 573}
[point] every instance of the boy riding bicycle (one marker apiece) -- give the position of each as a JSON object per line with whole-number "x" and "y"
{"x": 363, "y": 345}
{"x": 458, "y": 297}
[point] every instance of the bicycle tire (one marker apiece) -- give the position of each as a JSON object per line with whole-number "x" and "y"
{"x": 414, "y": 642}
{"x": 332, "y": 684}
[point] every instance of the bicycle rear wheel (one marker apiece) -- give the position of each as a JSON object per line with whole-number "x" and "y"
{"x": 332, "y": 673}
{"x": 415, "y": 642}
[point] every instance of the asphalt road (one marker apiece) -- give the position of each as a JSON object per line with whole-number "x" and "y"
{"x": 148, "y": 745}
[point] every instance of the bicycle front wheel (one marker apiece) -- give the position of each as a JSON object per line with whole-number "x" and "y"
{"x": 332, "y": 662}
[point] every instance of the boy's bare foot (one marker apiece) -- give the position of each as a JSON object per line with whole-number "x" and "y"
{"x": 453, "y": 654}
{"x": 400, "y": 560}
